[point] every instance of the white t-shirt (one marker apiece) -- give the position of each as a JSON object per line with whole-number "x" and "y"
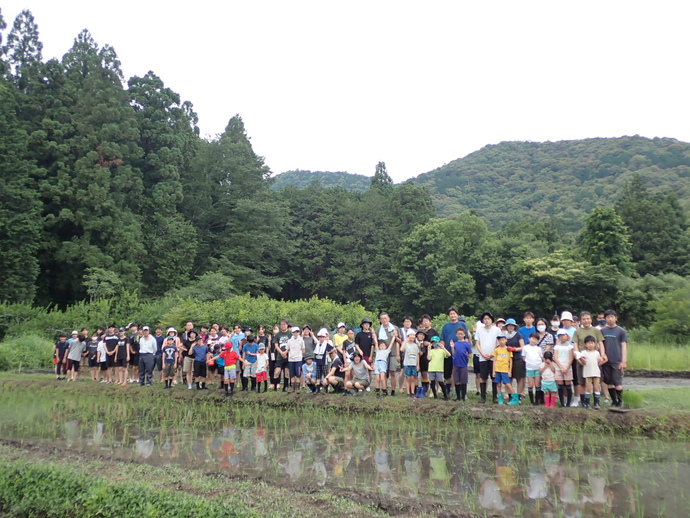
{"x": 486, "y": 336}
{"x": 533, "y": 357}
{"x": 411, "y": 351}
{"x": 548, "y": 374}
{"x": 261, "y": 362}
{"x": 562, "y": 352}
{"x": 102, "y": 357}
{"x": 591, "y": 368}
{"x": 382, "y": 355}
{"x": 295, "y": 347}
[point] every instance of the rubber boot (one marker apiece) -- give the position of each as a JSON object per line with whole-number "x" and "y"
{"x": 597, "y": 404}
{"x": 561, "y": 395}
{"x": 585, "y": 403}
{"x": 547, "y": 400}
{"x": 539, "y": 396}
{"x": 253, "y": 381}
{"x": 514, "y": 399}
{"x": 433, "y": 390}
{"x": 418, "y": 393}
{"x": 499, "y": 399}
{"x": 482, "y": 388}
{"x": 425, "y": 387}
{"x": 445, "y": 389}
{"x": 463, "y": 391}
{"x": 569, "y": 395}
{"x": 258, "y": 386}
{"x": 285, "y": 383}
{"x": 494, "y": 395}
{"x": 530, "y": 393}
{"x": 265, "y": 386}
{"x": 457, "y": 393}
{"x": 619, "y": 393}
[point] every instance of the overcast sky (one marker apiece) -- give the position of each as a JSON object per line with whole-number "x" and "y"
{"x": 339, "y": 86}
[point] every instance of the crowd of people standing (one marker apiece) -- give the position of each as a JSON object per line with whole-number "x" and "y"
{"x": 572, "y": 359}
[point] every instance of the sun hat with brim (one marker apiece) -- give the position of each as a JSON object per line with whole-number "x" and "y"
{"x": 511, "y": 322}
{"x": 365, "y": 321}
{"x": 567, "y": 315}
{"x": 487, "y": 314}
{"x": 340, "y": 324}
{"x": 501, "y": 336}
{"x": 171, "y": 329}
{"x": 561, "y": 332}
{"x": 322, "y": 332}
{"x": 296, "y": 329}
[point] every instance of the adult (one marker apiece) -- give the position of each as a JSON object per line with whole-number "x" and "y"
{"x": 586, "y": 329}
{"x": 555, "y": 326}
{"x": 75, "y": 353}
{"x": 429, "y": 332}
{"x": 388, "y": 334}
{"x": 147, "y": 352}
{"x": 448, "y": 335}
{"x": 360, "y": 368}
{"x": 110, "y": 342}
{"x": 340, "y": 335}
{"x": 236, "y": 338}
{"x": 295, "y": 349}
{"x": 160, "y": 341}
{"x": 133, "y": 346}
{"x": 188, "y": 328}
{"x": 567, "y": 323}
{"x": 616, "y": 349}
{"x": 185, "y": 346}
{"x": 122, "y": 357}
{"x": 487, "y": 335}
{"x": 516, "y": 345}
{"x": 309, "y": 342}
{"x": 280, "y": 339}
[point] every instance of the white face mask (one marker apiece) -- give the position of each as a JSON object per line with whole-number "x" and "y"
{"x": 555, "y": 324}
{"x": 541, "y": 328}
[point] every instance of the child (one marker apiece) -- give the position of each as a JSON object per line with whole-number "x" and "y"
{"x": 591, "y": 371}
{"x": 502, "y": 369}
{"x": 295, "y": 350}
{"x": 230, "y": 358}
{"x": 170, "y": 357}
{"x": 92, "y": 355}
{"x": 436, "y": 357}
{"x": 201, "y": 356}
{"x": 59, "y": 352}
{"x": 310, "y": 375}
{"x": 102, "y": 357}
{"x": 564, "y": 357}
{"x": 383, "y": 352}
{"x": 321, "y": 351}
{"x": 410, "y": 351}
{"x": 261, "y": 369}
{"x": 249, "y": 353}
{"x": 74, "y": 355}
{"x": 548, "y": 380}
{"x": 462, "y": 352}
{"x": 533, "y": 360}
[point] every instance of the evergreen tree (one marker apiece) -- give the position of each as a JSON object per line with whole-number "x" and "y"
{"x": 604, "y": 240}
{"x": 381, "y": 179}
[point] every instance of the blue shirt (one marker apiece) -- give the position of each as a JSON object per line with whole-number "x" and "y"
{"x": 462, "y": 349}
{"x": 236, "y": 339}
{"x": 169, "y": 352}
{"x": 449, "y": 330}
{"x": 200, "y": 352}
{"x": 525, "y": 332}
{"x": 251, "y": 348}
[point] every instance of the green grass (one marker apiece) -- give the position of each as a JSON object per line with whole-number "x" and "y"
{"x": 658, "y": 357}
{"x": 25, "y": 352}
{"x": 674, "y": 400}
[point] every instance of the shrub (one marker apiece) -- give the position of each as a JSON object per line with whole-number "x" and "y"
{"x": 26, "y": 352}
{"x": 632, "y": 400}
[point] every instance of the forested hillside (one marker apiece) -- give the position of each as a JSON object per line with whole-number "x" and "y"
{"x": 562, "y": 180}
{"x": 301, "y": 179}
{"x": 109, "y": 195}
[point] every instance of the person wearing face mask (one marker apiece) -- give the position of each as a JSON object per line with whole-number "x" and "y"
{"x": 601, "y": 321}
{"x": 555, "y": 326}
{"x": 545, "y": 342}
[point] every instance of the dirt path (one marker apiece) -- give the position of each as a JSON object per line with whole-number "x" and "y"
{"x": 633, "y": 382}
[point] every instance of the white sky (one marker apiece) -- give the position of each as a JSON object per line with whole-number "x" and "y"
{"x": 339, "y": 86}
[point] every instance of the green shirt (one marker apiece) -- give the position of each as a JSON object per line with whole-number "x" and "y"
{"x": 437, "y": 356}
{"x": 581, "y": 334}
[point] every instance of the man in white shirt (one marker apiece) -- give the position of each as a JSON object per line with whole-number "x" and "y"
{"x": 486, "y": 343}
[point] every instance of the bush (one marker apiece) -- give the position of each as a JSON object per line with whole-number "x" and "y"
{"x": 26, "y": 352}
{"x": 632, "y": 400}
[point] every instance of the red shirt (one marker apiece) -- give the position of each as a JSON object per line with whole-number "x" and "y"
{"x": 230, "y": 357}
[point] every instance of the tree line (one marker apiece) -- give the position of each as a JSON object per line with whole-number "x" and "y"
{"x": 109, "y": 190}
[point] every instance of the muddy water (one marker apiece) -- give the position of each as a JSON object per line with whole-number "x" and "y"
{"x": 484, "y": 469}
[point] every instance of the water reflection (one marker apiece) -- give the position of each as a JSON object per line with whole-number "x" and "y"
{"x": 477, "y": 468}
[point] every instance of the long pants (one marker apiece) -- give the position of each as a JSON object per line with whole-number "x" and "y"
{"x": 146, "y": 362}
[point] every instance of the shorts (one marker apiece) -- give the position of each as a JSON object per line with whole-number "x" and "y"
{"x": 93, "y": 362}
{"x": 533, "y": 373}
{"x": 110, "y": 361}
{"x": 74, "y": 365}
{"x": 230, "y": 373}
{"x": 104, "y": 366}
{"x": 475, "y": 364}
{"x": 460, "y": 375}
{"x": 121, "y": 362}
{"x": 423, "y": 363}
{"x": 436, "y": 376}
{"x": 393, "y": 363}
{"x": 187, "y": 364}
{"x": 411, "y": 371}
{"x": 281, "y": 363}
{"x": 321, "y": 372}
{"x": 169, "y": 370}
{"x": 134, "y": 359}
{"x": 485, "y": 369}
{"x": 579, "y": 378}
{"x": 212, "y": 368}
{"x": 295, "y": 369}
{"x": 249, "y": 370}
{"x": 339, "y": 382}
{"x": 261, "y": 376}
{"x": 448, "y": 367}
{"x": 573, "y": 368}
{"x": 380, "y": 367}
{"x": 519, "y": 368}
{"x": 564, "y": 376}
{"x": 200, "y": 369}
{"x": 362, "y": 383}
{"x": 593, "y": 380}
{"x": 502, "y": 377}
{"x": 548, "y": 386}
{"x": 611, "y": 374}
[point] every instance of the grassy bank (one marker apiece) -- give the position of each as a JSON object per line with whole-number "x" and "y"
{"x": 659, "y": 356}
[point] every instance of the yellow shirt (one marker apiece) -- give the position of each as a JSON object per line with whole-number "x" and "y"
{"x": 503, "y": 356}
{"x": 338, "y": 339}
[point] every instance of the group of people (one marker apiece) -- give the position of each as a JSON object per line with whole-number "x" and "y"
{"x": 566, "y": 358}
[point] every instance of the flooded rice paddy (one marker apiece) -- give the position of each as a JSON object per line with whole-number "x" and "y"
{"x": 508, "y": 471}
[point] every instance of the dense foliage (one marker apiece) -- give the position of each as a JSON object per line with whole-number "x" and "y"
{"x": 110, "y": 196}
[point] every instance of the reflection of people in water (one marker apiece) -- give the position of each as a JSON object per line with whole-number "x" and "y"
{"x": 384, "y": 477}
{"x": 490, "y": 497}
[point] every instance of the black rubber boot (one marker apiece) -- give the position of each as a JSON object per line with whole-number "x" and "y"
{"x": 463, "y": 391}
{"x": 482, "y": 388}
{"x": 585, "y": 401}
{"x": 619, "y": 394}
{"x": 253, "y": 384}
{"x": 597, "y": 404}
{"x": 433, "y": 390}
{"x": 530, "y": 393}
{"x": 539, "y": 395}
{"x": 569, "y": 394}
{"x": 457, "y": 393}
{"x": 561, "y": 395}
{"x": 494, "y": 393}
